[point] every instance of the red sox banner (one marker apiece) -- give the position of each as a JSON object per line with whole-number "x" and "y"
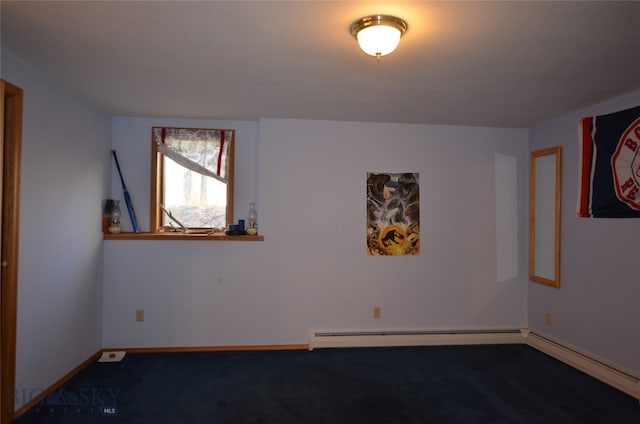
{"x": 609, "y": 185}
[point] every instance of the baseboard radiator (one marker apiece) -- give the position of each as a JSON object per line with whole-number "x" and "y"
{"x": 608, "y": 374}
{"x": 411, "y": 338}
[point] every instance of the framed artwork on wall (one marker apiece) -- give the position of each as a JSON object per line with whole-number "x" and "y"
{"x": 393, "y": 214}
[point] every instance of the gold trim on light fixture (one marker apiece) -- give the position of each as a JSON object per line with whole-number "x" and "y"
{"x": 392, "y": 29}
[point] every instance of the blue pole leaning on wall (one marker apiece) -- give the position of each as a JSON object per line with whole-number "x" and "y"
{"x": 127, "y": 197}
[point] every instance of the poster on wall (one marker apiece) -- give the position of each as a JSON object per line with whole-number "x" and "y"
{"x": 609, "y": 185}
{"x": 393, "y": 214}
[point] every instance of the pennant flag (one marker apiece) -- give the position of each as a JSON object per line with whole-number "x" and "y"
{"x": 609, "y": 185}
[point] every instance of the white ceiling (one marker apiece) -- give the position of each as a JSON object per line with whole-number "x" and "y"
{"x": 508, "y": 64}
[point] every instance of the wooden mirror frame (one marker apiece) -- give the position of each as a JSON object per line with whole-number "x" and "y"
{"x": 544, "y": 216}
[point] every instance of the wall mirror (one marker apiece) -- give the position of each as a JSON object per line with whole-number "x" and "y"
{"x": 544, "y": 216}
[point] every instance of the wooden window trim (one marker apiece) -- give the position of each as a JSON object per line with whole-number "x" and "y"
{"x": 156, "y": 197}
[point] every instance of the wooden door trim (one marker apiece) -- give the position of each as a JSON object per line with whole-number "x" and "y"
{"x": 11, "y": 112}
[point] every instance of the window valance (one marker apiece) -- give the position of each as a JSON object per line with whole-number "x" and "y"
{"x": 205, "y": 151}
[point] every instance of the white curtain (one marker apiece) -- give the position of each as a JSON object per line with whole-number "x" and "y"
{"x": 205, "y": 151}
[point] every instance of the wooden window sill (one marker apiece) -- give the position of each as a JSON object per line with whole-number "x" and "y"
{"x": 181, "y": 236}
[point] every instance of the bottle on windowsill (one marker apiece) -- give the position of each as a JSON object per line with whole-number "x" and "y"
{"x": 252, "y": 218}
{"x": 115, "y": 227}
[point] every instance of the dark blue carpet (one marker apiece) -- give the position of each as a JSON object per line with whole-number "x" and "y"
{"x": 456, "y": 384}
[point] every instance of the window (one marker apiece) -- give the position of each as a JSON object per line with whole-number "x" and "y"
{"x": 191, "y": 178}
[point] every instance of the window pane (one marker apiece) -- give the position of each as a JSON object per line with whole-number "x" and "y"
{"x": 194, "y": 199}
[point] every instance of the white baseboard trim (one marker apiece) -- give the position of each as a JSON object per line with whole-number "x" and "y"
{"x": 318, "y": 340}
{"x": 608, "y": 374}
{"x": 599, "y": 370}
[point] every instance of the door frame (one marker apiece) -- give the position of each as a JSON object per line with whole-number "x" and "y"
{"x": 11, "y": 130}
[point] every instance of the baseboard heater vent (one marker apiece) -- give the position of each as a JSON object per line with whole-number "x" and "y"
{"x": 606, "y": 373}
{"x": 320, "y": 339}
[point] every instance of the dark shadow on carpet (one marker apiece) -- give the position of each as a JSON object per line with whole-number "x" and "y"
{"x": 443, "y": 384}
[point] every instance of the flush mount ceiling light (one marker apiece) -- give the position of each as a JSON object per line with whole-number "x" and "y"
{"x": 378, "y": 35}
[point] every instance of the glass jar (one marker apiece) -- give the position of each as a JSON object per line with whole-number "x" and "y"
{"x": 115, "y": 227}
{"x": 252, "y": 217}
{"x": 115, "y": 213}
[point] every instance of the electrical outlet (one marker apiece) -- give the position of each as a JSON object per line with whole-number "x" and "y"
{"x": 376, "y": 312}
{"x": 139, "y": 314}
{"x": 548, "y": 318}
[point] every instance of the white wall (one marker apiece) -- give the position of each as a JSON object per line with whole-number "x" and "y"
{"x": 596, "y": 308}
{"x": 312, "y": 271}
{"x": 65, "y": 160}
